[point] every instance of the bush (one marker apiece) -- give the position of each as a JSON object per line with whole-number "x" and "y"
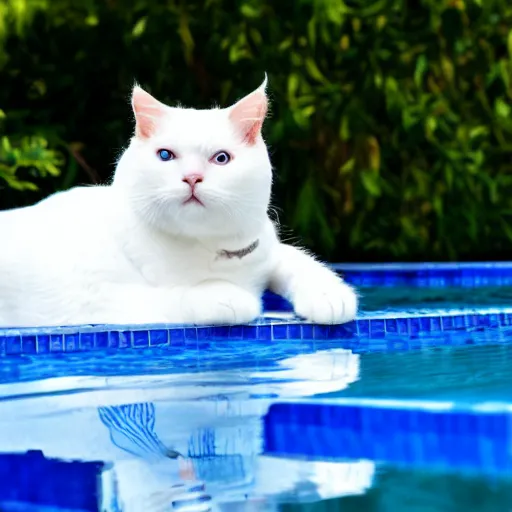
{"x": 391, "y": 131}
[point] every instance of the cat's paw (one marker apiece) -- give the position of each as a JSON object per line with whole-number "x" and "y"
{"x": 220, "y": 303}
{"x": 335, "y": 303}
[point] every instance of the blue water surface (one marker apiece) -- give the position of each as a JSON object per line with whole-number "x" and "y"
{"x": 376, "y": 419}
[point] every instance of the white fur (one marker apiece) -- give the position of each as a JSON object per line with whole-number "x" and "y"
{"x": 133, "y": 253}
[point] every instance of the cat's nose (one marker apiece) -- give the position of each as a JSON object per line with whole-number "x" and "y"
{"x": 193, "y": 179}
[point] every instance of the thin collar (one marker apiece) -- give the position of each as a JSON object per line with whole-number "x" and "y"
{"x": 241, "y": 253}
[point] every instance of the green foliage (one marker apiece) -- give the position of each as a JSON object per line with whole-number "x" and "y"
{"x": 391, "y": 127}
{"x": 32, "y": 155}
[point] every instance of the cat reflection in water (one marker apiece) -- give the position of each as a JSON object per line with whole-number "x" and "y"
{"x": 181, "y": 234}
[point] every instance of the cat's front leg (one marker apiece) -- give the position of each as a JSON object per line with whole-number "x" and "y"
{"x": 215, "y": 302}
{"x": 317, "y": 294}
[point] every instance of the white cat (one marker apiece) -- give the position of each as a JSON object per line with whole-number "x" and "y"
{"x": 180, "y": 235}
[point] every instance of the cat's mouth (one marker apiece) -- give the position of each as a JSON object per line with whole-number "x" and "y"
{"x": 193, "y": 199}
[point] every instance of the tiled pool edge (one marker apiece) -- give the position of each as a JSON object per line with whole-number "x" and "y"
{"x": 79, "y": 338}
{"x": 436, "y": 275}
{"x": 284, "y": 327}
{"x": 398, "y": 432}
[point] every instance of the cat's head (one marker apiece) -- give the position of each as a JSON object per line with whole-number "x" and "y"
{"x": 198, "y": 172}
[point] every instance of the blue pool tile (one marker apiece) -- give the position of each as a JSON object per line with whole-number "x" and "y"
{"x": 343, "y": 331}
{"x": 250, "y": 332}
{"x": 393, "y": 435}
{"x": 447, "y": 322}
{"x": 190, "y": 335}
{"x": 425, "y": 325}
{"x": 57, "y": 343}
{"x": 280, "y": 332}
{"x": 504, "y": 319}
{"x": 43, "y": 343}
{"x": 125, "y": 339}
{"x": 377, "y": 328}
{"x": 140, "y": 338}
{"x": 482, "y": 321}
{"x": 86, "y": 340}
{"x": 418, "y": 275}
{"x": 459, "y": 321}
{"x": 102, "y": 340}
{"x": 220, "y": 332}
{"x": 71, "y": 342}
{"x": 414, "y": 326}
{"x": 158, "y": 337}
{"x": 295, "y": 332}
{"x": 307, "y": 332}
{"x": 13, "y": 345}
{"x": 320, "y": 332}
{"x": 236, "y": 332}
{"x": 83, "y": 483}
{"x": 28, "y": 345}
{"x": 264, "y": 332}
{"x": 404, "y": 326}
{"x": 113, "y": 339}
{"x": 363, "y": 327}
{"x": 177, "y": 336}
{"x": 436, "y": 324}
{"x": 391, "y": 325}
{"x": 494, "y": 320}
{"x": 204, "y": 333}
{"x": 368, "y": 335}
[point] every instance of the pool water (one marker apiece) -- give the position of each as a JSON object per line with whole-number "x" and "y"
{"x": 396, "y": 490}
{"x": 402, "y": 297}
{"x": 189, "y": 427}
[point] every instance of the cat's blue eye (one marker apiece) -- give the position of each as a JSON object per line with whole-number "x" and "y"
{"x": 165, "y": 155}
{"x": 221, "y": 158}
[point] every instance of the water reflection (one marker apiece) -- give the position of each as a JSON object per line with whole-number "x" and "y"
{"x": 182, "y": 428}
{"x": 188, "y": 441}
{"x": 226, "y": 459}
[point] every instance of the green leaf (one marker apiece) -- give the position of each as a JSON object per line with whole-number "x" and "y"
{"x": 430, "y": 126}
{"x": 293, "y": 86}
{"x": 479, "y": 131}
{"x": 308, "y": 111}
{"x": 421, "y": 68}
{"x": 250, "y": 11}
{"x": 371, "y": 183}
{"x": 345, "y": 128}
{"x": 448, "y": 68}
{"x": 375, "y": 8}
{"x": 313, "y": 70}
{"x": 373, "y": 153}
{"x": 186, "y": 37}
{"x": 348, "y": 166}
{"x": 139, "y": 27}
{"x": 502, "y": 109}
{"x": 312, "y": 32}
{"x": 92, "y": 20}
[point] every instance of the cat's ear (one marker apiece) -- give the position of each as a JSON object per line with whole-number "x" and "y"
{"x": 148, "y": 112}
{"x": 249, "y": 113}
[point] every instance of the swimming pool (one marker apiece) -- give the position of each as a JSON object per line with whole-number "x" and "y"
{"x": 408, "y": 407}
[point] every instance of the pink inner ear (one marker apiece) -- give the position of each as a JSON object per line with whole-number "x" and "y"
{"x": 148, "y": 112}
{"x": 248, "y": 115}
